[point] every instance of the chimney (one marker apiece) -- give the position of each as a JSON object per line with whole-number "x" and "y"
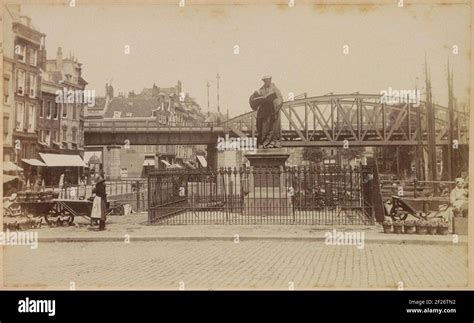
{"x": 59, "y": 59}
{"x": 25, "y": 20}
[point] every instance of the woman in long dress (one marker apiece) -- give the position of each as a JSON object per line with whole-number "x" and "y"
{"x": 100, "y": 202}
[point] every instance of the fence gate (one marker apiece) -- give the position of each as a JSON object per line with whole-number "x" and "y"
{"x": 296, "y": 195}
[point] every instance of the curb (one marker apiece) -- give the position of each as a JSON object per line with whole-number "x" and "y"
{"x": 242, "y": 239}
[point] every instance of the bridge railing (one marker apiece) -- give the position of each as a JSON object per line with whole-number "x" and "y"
{"x": 108, "y": 125}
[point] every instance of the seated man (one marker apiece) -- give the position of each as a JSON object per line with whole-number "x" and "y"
{"x": 459, "y": 198}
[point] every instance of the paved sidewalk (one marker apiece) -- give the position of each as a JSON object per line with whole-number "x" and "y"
{"x": 135, "y": 228}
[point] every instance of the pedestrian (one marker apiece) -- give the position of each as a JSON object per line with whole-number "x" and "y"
{"x": 459, "y": 198}
{"x": 100, "y": 202}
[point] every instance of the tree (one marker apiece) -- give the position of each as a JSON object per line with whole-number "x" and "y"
{"x": 314, "y": 154}
{"x": 352, "y": 152}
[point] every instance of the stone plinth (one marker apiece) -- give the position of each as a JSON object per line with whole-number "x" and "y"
{"x": 267, "y": 189}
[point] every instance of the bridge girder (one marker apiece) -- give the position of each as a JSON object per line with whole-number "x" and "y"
{"x": 361, "y": 119}
{"x": 325, "y": 121}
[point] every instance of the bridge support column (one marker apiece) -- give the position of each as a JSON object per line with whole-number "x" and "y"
{"x": 112, "y": 170}
{"x": 211, "y": 156}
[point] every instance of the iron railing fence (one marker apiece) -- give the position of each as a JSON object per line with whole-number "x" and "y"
{"x": 296, "y": 195}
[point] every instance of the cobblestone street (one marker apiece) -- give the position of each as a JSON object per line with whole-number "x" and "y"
{"x": 228, "y": 265}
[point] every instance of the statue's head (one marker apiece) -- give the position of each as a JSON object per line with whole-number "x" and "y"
{"x": 267, "y": 80}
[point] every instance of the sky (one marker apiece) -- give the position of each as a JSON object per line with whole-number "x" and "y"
{"x": 301, "y": 47}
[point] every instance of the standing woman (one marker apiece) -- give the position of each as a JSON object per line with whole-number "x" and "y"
{"x": 100, "y": 202}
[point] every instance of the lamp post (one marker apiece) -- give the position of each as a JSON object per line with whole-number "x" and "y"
{"x": 17, "y": 151}
{"x": 218, "y": 107}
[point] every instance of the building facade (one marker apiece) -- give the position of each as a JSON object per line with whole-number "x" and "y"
{"x": 49, "y": 122}
{"x": 66, "y": 75}
{"x": 24, "y": 54}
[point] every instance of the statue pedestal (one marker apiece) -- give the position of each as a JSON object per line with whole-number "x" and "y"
{"x": 267, "y": 185}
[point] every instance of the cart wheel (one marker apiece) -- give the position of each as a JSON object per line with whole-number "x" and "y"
{"x": 70, "y": 220}
{"x": 47, "y": 220}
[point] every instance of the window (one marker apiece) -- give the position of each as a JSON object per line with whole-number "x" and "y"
{"x": 48, "y": 111}
{"x": 65, "y": 108}
{"x": 117, "y": 114}
{"x": 47, "y": 138}
{"x": 55, "y": 136}
{"x": 41, "y": 135}
{"x": 74, "y": 107}
{"x": 55, "y": 111}
{"x": 5, "y": 124}
{"x": 129, "y": 114}
{"x": 42, "y": 108}
{"x": 31, "y": 118}
{"x": 20, "y": 85}
{"x": 6, "y": 86}
{"x": 64, "y": 134}
{"x": 33, "y": 56}
{"x": 32, "y": 151}
{"x": 20, "y": 112}
{"x": 74, "y": 135}
{"x": 32, "y": 83}
{"x": 20, "y": 51}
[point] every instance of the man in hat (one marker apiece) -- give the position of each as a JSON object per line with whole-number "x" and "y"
{"x": 268, "y": 100}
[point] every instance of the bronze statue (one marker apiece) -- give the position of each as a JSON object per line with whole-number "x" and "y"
{"x": 268, "y": 101}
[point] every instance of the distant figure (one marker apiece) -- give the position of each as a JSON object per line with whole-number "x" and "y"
{"x": 22, "y": 182}
{"x": 459, "y": 198}
{"x": 268, "y": 100}
{"x": 99, "y": 205}
{"x": 61, "y": 187}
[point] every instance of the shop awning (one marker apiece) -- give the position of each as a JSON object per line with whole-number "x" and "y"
{"x": 176, "y": 166}
{"x": 34, "y": 162}
{"x": 8, "y": 178}
{"x": 9, "y": 166}
{"x": 149, "y": 162}
{"x": 202, "y": 160}
{"x": 165, "y": 162}
{"x": 191, "y": 166}
{"x": 56, "y": 160}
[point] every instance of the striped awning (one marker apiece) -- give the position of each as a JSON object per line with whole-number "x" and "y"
{"x": 9, "y": 178}
{"x": 202, "y": 161}
{"x": 56, "y": 160}
{"x": 149, "y": 162}
{"x": 9, "y": 166}
{"x": 33, "y": 162}
{"x": 165, "y": 162}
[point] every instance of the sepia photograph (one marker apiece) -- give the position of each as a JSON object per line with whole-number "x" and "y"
{"x": 221, "y": 146}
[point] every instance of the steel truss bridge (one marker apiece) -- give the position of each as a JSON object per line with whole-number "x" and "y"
{"x": 324, "y": 121}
